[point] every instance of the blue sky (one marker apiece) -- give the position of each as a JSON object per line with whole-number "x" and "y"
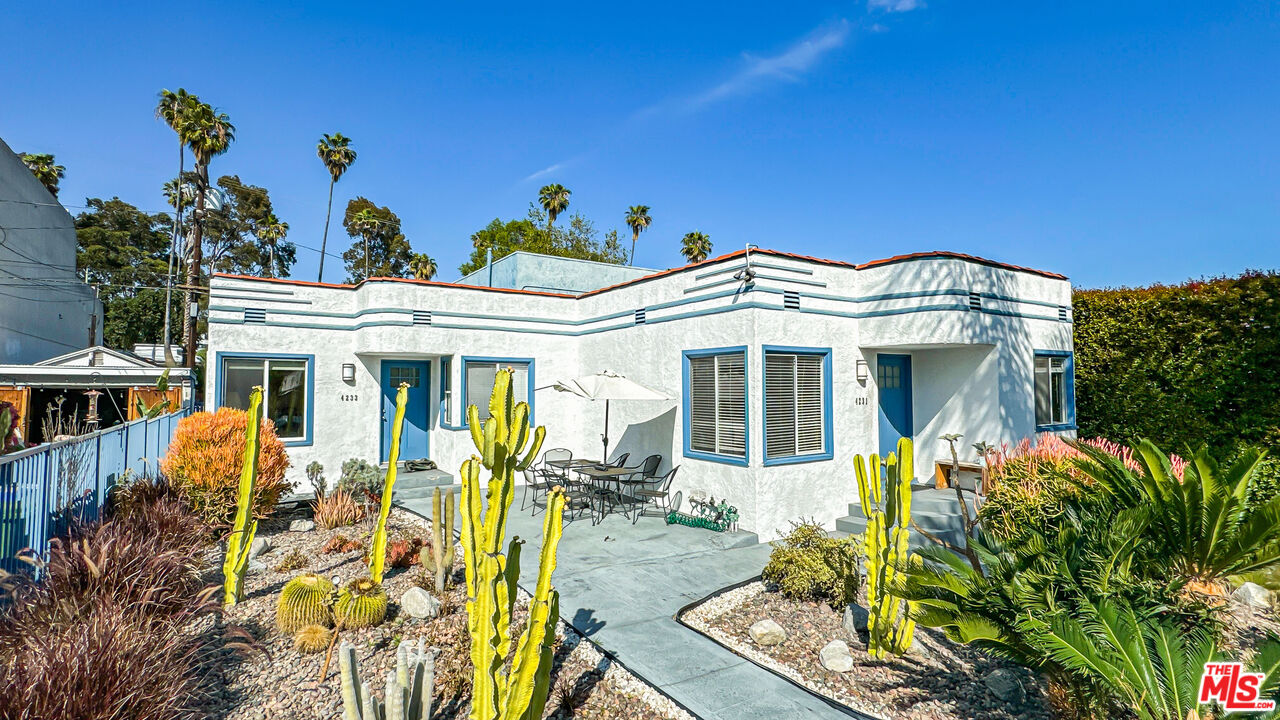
{"x": 1118, "y": 143}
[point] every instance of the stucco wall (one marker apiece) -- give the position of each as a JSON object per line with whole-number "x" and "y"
{"x": 972, "y": 366}
{"x": 45, "y": 311}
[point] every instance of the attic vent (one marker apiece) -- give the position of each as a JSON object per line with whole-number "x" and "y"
{"x": 255, "y": 315}
{"x": 421, "y": 317}
{"x": 640, "y": 316}
{"x": 975, "y": 301}
{"x": 96, "y": 358}
{"x": 1062, "y": 314}
{"x": 790, "y": 299}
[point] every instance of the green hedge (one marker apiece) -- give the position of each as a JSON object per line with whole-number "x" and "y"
{"x": 1182, "y": 365}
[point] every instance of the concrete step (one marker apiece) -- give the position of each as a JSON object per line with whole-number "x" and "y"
{"x": 932, "y": 523}
{"x": 856, "y": 524}
{"x": 423, "y": 478}
{"x": 931, "y": 502}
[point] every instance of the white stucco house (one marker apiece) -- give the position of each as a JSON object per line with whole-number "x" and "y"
{"x": 780, "y": 367}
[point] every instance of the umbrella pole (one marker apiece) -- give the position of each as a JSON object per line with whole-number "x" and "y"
{"x": 605, "y": 436}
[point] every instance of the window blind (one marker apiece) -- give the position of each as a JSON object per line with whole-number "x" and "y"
{"x": 718, "y": 404}
{"x": 795, "y": 414}
{"x": 480, "y": 379}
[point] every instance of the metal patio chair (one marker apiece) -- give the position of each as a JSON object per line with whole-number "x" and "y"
{"x": 655, "y": 493}
{"x": 644, "y": 473}
{"x": 549, "y": 471}
{"x": 535, "y": 482}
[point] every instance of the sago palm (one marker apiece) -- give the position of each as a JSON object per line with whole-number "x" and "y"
{"x": 45, "y": 169}
{"x": 695, "y": 246}
{"x": 554, "y": 199}
{"x": 638, "y": 220}
{"x": 272, "y": 231}
{"x": 336, "y": 153}
{"x": 1202, "y": 527}
{"x": 422, "y": 266}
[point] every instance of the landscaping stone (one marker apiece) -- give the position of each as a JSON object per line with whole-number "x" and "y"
{"x": 835, "y": 656}
{"x": 302, "y": 526}
{"x": 1005, "y": 685}
{"x": 256, "y": 566}
{"x": 418, "y": 603}
{"x": 1253, "y": 595}
{"x": 259, "y": 546}
{"x": 855, "y": 619}
{"x": 767, "y": 632}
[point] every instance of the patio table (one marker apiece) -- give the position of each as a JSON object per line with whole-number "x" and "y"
{"x": 604, "y": 476}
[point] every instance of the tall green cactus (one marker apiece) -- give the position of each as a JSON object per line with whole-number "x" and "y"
{"x": 242, "y": 530}
{"x": 889, "y": 625}
{"x": 378, "y": 553}
{"x": 408, "y": 690}
{"x": 442, "y": 544}
{"x": 497, "y": 694}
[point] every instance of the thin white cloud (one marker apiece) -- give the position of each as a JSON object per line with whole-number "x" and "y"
{"x": 543, "y": 172}
{"x": 894, "y": 6}
{"x": 789, "y": 65}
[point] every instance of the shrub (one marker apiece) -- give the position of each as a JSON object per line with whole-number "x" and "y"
{"x": 806, "y": 565}
{"x": 116, "y": 662}
{"x": 204, "y": 463}
{"x": 336, "y": 510}
{"x": 362, "y": 480}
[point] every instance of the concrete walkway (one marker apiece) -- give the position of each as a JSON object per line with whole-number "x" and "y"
{"x": 622, "y": 584}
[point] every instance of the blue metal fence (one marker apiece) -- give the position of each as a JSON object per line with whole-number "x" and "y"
{"x": 44, "y": 487}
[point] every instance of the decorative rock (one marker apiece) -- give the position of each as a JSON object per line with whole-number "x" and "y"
{"x": 302, "y": 526}
{"x": 1253, "y": 595}
{"x": 835, "y": 656}
{"x": 1005, "y": 685}
{"x": 855, "y": 619}
{"x": 259, "y": 546}
{"x": 918, "y": 648}
{"x": 767, "y": 632}
{"x": 418, "y": 603}
{"x": 256, "y": 566}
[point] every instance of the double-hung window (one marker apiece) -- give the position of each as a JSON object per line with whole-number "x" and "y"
{"x": 797, "y": 405}
{"x": 479, "y": 375}
{"x": 286, "y": 391}
{"x": 715, "y": 405}
{"x": 1054, "y": 390}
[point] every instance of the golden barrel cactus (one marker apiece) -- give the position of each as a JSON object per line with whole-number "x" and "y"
{"x": 361, "y": 603}
{"x": 304, "y": 601}
{"x": 312, "y": 639}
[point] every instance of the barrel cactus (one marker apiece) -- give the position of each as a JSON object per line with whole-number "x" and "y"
{"x": 304, "y": 601}
{"x": 312, "y": 639}
{"x": 361, "y": 603}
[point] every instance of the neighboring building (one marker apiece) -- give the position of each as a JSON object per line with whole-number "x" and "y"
{"x": 530, "y": 271}
{"x": 45, "y": 309}
{"x": 119, "y": 376}
{"x": 781, "y": 367}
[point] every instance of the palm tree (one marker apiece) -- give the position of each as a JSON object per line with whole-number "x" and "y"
{"x": 336, "y": 154}
{"x": 695, "y": 246}
{"x": 637, "y": 219}
{"x": 46, "y": 171}
{"x": 272, "y": 231}
{"x": 422, "y": 266}
{"x": 365, "y": 223}
{"x": 175, "y": 108}
{"x": 555, "y": 200}
{"x": 211, "y": 134}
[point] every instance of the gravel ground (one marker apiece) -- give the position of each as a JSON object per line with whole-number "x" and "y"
{"x": 946, "y": 683}
{"x": 276, "y": 682}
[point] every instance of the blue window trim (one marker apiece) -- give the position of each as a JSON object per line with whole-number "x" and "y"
{"x": 499, "y": 360}
{"x": 446, "y": 369}
{"x": 689, "y": 452}
{"x": 218, "y": 358}
{"x": 1069, "y": 376}
{"x": 828, "y": 450}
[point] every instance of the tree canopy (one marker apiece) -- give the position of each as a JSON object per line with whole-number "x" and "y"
{"x": 239, "y": 238}
{"x": 125, "y": 251}
{"x": 534, "y": 234}
{"x": 378, "y": 230}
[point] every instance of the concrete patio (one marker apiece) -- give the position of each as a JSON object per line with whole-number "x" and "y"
{"x": 622, "y": 584}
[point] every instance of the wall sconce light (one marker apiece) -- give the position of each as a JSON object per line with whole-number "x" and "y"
{"x": 863, "y": 371}
{"x": 348, "y": 372}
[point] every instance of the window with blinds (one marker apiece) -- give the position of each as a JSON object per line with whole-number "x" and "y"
{"x": 717, "y": 404}
{"x": 795, "y": 403}
{"x": 479, "y": 377}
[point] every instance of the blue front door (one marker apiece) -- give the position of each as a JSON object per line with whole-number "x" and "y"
{"x": 893, "y": 380}
{"x": 413, "y": 439}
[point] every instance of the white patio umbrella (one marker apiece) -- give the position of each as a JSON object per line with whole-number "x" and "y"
{"x": 608, "y": 385}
